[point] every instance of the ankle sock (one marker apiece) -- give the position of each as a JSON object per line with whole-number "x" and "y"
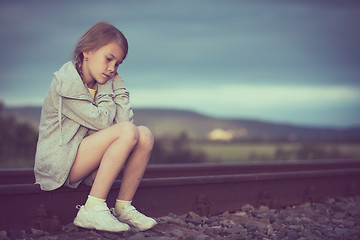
{"x": 120, "y": 204}
{"x": 92, "y": 202}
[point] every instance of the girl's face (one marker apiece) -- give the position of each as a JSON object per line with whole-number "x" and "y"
{"x": 101, "y": 65}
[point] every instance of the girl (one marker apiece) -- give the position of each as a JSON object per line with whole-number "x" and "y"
{"x": 86, "y": 133}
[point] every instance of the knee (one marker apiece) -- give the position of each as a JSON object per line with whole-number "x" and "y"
{"x": 146, "y": 139}
{"x": 128, "y": 131}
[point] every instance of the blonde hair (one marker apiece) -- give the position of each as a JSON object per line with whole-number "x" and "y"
{"x": 97, "y": 36}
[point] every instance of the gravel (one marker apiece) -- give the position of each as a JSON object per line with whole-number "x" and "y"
{"x": 335, "y": 218}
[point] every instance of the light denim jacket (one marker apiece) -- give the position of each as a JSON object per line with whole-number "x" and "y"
{"x": 68, "y": 113}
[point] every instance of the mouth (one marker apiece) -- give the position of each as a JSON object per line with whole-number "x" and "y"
{"x": 106, "y": 75}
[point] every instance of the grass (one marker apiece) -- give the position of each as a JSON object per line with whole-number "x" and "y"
{"x": 233, "y": 152}
{"x": 237, "y": 152}
{"x": 244, "y": 152}
{"x": 16, "y": 163}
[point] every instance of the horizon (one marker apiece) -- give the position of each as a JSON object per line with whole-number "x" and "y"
{"x": 276, "y": 61}
{"x": 215, "y": 117}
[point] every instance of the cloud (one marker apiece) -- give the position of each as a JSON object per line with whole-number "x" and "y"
{"x": 249, "y": 96}
{"x": 279, "y": 103}
{"x": 236, "y": 58}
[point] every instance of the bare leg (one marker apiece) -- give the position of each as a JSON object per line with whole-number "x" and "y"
{"x": 136, "y": 164}
{"x": 106, "y": 150}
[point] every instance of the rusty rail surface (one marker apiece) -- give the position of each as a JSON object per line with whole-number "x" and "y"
{"x": 26, "y": 175}
{"x": 204, "y": 188}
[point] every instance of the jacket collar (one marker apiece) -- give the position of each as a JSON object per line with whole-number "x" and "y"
{"x": 70, "y": 84}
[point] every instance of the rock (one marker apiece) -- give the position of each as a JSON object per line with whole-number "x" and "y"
{"x": 330, "y": 201}
{"x": 164, "y": 219}
{"x": 339, "y": 215}
{"x": 263, "y": 208}
{"x": 310, "y": 236}
{"x": 172, "y": 215}
{"x": 17, "y": 234}
{"x": 178, "y": 221}
{"x": 177, "y": 233}
{"x": 194, "y": 222}
{"x": 232, "y": 236}
{"x": 306, "y": 220}
{"x": 289, "y": 219}
{"x": 36, "y": 232}
{"x": 64, "y": 237}
{"x": 109, "y": 235}
{"x": 225, "y": 214}
{"x": 201, "y": 237}
{"x": 160, "y": 238}
{"x": 149, "y": 234}
{"x": 251, "y": 227}
{"x": 322, "y": 220}
{"x": 137, "y": 236}
{"x": 227, "y": 223}
{"x": 236, "y": 229}
{"x": 213, "y": 221}
{"x": 340, "y": 231}
{"x": 69, "y": 228}
{"x": 295, "y": 227}
{"x": 283, "y": 214}
{"x": 281, "y": 234}
{"x": 291, "y": 234}
{"x": 84, "y": 235}
{"x": 348, "y": 223}
{"x": 213, "y": 231}
{"x": 191, "y": 225}
{"x": 272, "y": 219}
{"x": 3, "y": 235}
{"x": 247, "y": 208}
{"x": 241, "y": 213}
{"x": 48, "y": 238}
{"x": 194, "y": 216}
{"x": 270, "y": 230}
{"x": 307, "y": 205}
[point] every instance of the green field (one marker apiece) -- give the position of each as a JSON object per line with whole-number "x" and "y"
{"x": 17, "y": 163}
{"x": 241, "y": 152}
{"x": 238, "y": 152}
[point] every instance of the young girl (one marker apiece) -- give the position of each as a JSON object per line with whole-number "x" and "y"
{"x": 86, "y": 133}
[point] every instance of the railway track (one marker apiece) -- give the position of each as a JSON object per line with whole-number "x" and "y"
{"x": 179, "y": 188}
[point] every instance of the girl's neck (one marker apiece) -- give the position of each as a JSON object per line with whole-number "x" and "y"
{"x": 91, "y": 84}
{"x": 87, "y": 79}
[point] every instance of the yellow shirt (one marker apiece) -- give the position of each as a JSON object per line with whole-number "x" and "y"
{"x": 93, "y": 92}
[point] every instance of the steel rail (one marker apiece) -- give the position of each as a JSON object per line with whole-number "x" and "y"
{"x": 26, "y": 175}
{"x": 206, "y": 194}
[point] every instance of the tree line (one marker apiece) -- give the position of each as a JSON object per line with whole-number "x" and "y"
{"x": 18, "y": 145}
{"x": 17, "y": 140}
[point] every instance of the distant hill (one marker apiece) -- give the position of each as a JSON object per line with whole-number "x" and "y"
{"x": 165, "y": 122}
{"x": 30, "y": 115}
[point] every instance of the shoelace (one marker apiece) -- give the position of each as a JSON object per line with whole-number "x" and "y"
{"x": 135, "y": 213}
{"x": 106, "y": 211}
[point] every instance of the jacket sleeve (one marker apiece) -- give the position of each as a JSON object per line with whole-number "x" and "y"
{"x": 124, "y": 111}
{"x": 87, "y": 114}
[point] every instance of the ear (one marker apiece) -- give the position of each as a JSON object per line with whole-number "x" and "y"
{"x": 86, "y": 54}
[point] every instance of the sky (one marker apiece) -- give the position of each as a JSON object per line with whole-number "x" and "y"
{"x": 283, "y": 61}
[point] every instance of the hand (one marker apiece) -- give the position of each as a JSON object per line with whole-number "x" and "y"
{"x": 117, "y": 77}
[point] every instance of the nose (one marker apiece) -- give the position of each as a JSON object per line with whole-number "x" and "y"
{"x": 111, "y": 68}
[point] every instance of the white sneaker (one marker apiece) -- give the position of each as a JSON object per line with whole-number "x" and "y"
{"x": 99, "y": 218}
{"x": 132, "y": 216}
